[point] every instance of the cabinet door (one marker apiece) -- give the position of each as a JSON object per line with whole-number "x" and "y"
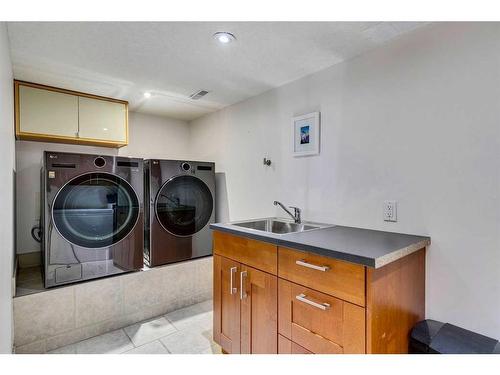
{"x": 102, "y": 120}
{"x": 227, "y": 304}
{"x": 51, "y": 113}
{"x": 259, "y": 311}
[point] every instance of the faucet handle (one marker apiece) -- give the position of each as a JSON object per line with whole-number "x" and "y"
{"x": 296, "y": 213}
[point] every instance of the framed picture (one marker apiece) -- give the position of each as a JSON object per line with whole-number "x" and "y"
{"x": 306, "y": 134}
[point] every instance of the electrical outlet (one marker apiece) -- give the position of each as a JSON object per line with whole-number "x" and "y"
{"x": 390, "y": 211}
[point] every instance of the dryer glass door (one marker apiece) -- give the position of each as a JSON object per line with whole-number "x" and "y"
{"x": 184, "y": 205}
{"x": 95, "y": 210}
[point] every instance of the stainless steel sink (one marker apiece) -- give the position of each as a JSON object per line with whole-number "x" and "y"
{"x": 278, "y": 225}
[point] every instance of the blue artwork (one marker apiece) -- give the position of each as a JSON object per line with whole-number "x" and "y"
{"x": 304, "y": 134}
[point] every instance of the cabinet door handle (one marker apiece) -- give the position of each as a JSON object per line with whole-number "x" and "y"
{"x": 243, "y": 289}
{"x": 322, "y": 306}
{"x": 303, "y": 263}
{"x": 232, "y": 289}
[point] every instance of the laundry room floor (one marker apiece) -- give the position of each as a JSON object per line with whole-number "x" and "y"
{"x": 29, "y": 280}
{"x": 184, "y": 331}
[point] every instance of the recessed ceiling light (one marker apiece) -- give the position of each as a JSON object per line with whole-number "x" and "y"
{"x": 147, "y": 95}
{"x": 224, "y": 37}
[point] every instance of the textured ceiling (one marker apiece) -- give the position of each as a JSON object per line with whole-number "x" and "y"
{"x": 174, "y": 59}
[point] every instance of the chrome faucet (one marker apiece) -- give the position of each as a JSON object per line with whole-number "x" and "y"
{"x": 296, "y": 212}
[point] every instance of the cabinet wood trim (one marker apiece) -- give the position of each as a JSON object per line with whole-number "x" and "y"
{"x": 354, "y": 329}
{"x": 256, "y": 254}
{"x": 395, "y": 297}
{"x": 217, "y": 297}
{"x": 27, "y": 136}
{"x": 259, "y": 312}
{"x": 313, "y": 342}
{"x": 227, "y": 331}
{"x": 66, "y": 91}
{"x": 286, "y": 346}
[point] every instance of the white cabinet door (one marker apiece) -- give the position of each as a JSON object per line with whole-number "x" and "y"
{"x": 102, "y": 120}
{"x": 47, "y": 112}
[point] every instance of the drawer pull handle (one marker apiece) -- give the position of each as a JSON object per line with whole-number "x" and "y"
{"x": 232, "y": 289}
{"x": 243, "y": 290}
{"x": 322, "y": 306}
{"x": 303, "y": 263}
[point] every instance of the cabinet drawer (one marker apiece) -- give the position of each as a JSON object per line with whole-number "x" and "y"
{"x": 257, "y": 254}
{"x": 319, "y": 322}
{"x": 340, "y": 279}
{"x": 286, "y": 346}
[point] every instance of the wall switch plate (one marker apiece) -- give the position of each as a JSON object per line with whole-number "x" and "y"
{"x": 390, "y": 211}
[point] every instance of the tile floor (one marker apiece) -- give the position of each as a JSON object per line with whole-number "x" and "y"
{"x": 29, "y": 280}
{"x": 184, "y": 331}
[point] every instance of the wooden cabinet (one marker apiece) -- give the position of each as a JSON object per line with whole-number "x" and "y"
{"x": 50, "y": 114}
{"x": 257, "y": 254}
{"x": 269, "y": 299}
{"x": 245, "y": 309}
{"x": 286, "y": 346}
{"x": 226, "y": 304}
{"x": 340, "y": 279}
{"x": 259, "y": 312}
{"x": 395, "y": 302}
{"x": 318, "y": 322}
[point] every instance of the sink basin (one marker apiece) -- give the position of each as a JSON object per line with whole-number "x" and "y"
{"x": 278, "y": 226}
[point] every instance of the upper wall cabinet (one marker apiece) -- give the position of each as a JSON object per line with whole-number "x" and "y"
{"x": 103, "y": 120}
{"x": 50, "y": 114}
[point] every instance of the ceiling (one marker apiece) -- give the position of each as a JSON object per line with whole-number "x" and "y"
{"x": 172, "y": 60}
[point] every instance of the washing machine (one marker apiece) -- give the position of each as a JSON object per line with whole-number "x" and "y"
{"x": 92, "y": 216}
{"x": 179, "y": 208}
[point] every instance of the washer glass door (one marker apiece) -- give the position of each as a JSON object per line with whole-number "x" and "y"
{"x": 184, "y": 205}
{"x": 95, "y": 210}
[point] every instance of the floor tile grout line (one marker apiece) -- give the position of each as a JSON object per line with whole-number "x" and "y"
{"x": 147, "y": 321}
{"x": 130, "y": 338}
{"x": 151, "y": 342}
{"x": 127, "y": 335}
{"x": 93, "y": 337}
{"x": 171, "y": 322}
{"x": 169, "y": 334}
{"x": 165, "y": 346}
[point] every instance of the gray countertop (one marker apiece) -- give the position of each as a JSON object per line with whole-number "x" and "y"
{"x": 362, "y": 246}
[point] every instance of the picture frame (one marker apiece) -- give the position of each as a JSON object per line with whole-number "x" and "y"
{"x": 306, "y": 134}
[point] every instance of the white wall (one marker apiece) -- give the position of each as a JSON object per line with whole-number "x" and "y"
{"x": 237, "y": 139}
{"x": 6, "y": 192}
{"x": 416, "y": 121}
{"x": 156, "y": 137}
{"x": 149, "y": 137}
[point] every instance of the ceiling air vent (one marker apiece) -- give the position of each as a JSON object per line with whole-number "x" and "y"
{"x": 198, "y": 95}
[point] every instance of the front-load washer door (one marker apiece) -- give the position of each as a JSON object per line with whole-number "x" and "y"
{"x": 95, "y": 210}
{"x": 184, "y": 205}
